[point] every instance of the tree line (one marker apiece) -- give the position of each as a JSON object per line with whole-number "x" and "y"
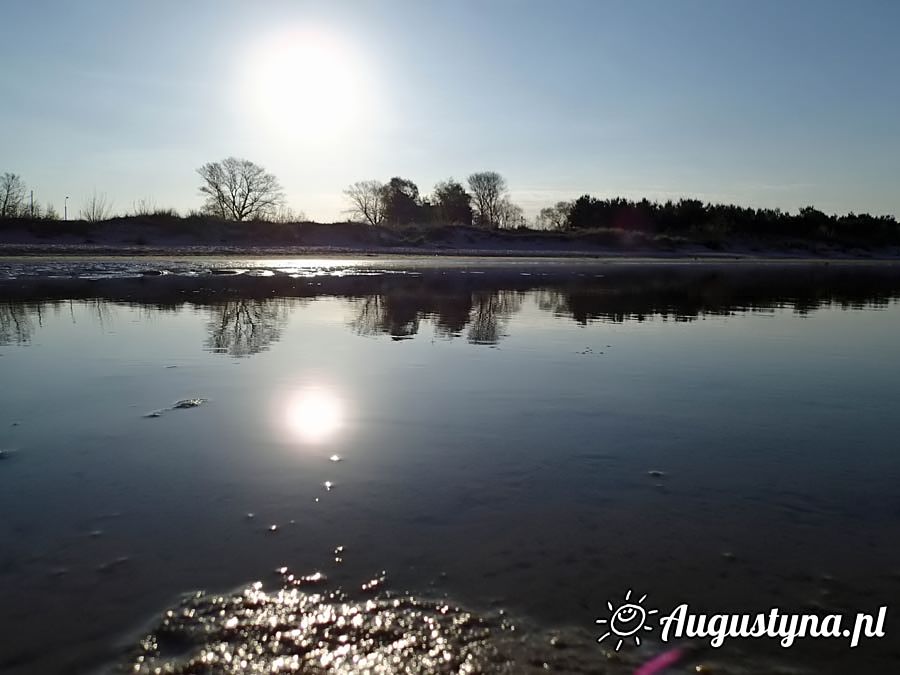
{"x": 694, "y": 217}
{"x": 485, "y": 204}
{"x": 239, "y": 190}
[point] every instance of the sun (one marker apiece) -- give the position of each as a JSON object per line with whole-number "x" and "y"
{"x": 305, "y": 84}
{"x": 314, "y": 414}
{"x": 626, "y": 621}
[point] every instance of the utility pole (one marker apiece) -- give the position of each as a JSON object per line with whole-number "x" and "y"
{"x": 32, "y": 204}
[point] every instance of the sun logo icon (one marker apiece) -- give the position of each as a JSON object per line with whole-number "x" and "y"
{"x": 626, "y": 621}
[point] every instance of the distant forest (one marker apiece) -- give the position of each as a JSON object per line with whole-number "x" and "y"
{"x": 237, "y": 190}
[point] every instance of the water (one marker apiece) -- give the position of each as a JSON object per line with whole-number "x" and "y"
{"x": 503, "y": 447}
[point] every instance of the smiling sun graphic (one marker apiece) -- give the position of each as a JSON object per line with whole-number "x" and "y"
{"x": 627, "y": 620}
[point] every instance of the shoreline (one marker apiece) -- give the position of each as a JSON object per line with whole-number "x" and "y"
{"x": 691, "y": 254}
{"x": 162, "y": 237}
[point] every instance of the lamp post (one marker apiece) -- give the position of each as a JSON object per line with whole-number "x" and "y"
{"x": 66, "y": 208}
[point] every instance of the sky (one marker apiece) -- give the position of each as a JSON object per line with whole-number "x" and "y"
{"x": 755, "y": 102}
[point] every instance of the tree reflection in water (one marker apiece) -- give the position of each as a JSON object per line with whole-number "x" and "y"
{"x": 484, "y": 313}
{"x": 384, "y": 315}
{"x": 246, "y": 326}
{"x": 17, "y": 322}
{"x": 247, "y": 315}
{"x": 490, "y": 315}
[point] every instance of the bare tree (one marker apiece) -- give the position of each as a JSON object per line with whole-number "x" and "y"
{"x": 509, "y": 215}
{"x": 97, "y": 208}
{"x": 488, "y": 188}
{"x": 12, "y": 195}
{"x": 238, "y": 189}
{"x": 554, "y": 217}
{"x": 367, "y": 201}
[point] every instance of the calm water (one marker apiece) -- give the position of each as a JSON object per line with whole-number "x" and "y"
{"x": 474, "y": 437}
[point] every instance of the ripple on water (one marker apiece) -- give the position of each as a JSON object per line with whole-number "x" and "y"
{"x": 179, "y": 405}
{"x": 304, "y": 626}
{"x": 189, "y": 403}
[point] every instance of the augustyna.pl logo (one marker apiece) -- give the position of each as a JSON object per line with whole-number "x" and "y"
{"x": 626, "y": 621}
{"x": 631, "y": 619}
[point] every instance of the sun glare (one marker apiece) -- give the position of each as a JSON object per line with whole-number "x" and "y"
{"x": 306, "y": 85}
{"x": 314, "y": 414}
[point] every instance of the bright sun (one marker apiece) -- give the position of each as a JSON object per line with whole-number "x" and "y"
{"x": 314, "y": 414}
{"x": 306, "y": 84}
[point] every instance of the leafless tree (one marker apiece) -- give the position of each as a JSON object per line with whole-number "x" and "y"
{"x": 488, "y": 189}
{"x": 97, "y": 208}
{"x": 238, "y": 189}
{"x": 367, "y": 201}
{"x": 509, "y": 215}
{"x": 554, "y": 217}
{"x": 12, "y": 195}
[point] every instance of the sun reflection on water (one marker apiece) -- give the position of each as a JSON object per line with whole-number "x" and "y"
{"x": 315, "y": 414}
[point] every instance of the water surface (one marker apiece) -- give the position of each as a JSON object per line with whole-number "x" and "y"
{"x": 531, "y": 437}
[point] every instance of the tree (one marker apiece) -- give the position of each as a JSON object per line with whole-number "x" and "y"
{"x": 238, "y": 189}
{"x": 12, "y": 195}
{"x": 96, "y": 209}
{"x": 585, "y": 212}
{"x": 452, "y": 203}
{"x": 488, "y": 189}
{"x": 401, "y": 201}
{"x": 509, "y": 215}
{"x": 367, "y": 201}
{"x": 554, "y": 217}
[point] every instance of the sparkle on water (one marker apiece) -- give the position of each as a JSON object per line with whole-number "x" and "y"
{"x": 305, "y": 626}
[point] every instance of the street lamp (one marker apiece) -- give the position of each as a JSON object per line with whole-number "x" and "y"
{"x": 66, "y": 208}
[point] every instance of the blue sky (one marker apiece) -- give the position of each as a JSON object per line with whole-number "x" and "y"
{"x": 765, "y": 103}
